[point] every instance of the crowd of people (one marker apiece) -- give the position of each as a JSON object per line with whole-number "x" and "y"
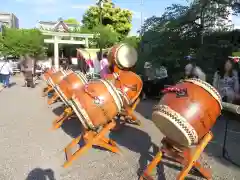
{"x": 226, "y": 80}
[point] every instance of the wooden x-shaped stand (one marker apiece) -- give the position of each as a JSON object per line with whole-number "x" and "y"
{"x": 47, "y": 90}
{"x": 53, "y": 98}
{"x": 90, "y": 138}
{"x": 127, "y": 114}
{"x": 185, "y": 156}
{"x": 67, "y": 113}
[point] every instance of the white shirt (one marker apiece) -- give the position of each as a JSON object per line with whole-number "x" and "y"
{"x": 5, "y": 68}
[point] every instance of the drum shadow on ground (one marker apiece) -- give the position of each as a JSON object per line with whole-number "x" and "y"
{"x": 58, "y": 110}
{"x": 140, "y": 142}
{"x": 72, "y": 127}
{"x": 145, "y": 108}
{"x": 215, "y": 147}
{"x": 41, "y": 174}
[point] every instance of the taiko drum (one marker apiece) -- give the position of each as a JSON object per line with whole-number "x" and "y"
{"x": 123, "y": 56}
{"x": 128, "y": 83}
{"x": 187, "y": 115}
{"x": 96, "y": 104}
{"x": 71, "y": 82}
{"x": 56, "y": 77}
{"x": 48, "y": 73}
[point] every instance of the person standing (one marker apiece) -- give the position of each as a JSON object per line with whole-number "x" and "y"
{"x": 28, "y": 70}
{"x": 226, "y": 81}
{"x": 6, "y": 71}
{"x": 104, "y": 66}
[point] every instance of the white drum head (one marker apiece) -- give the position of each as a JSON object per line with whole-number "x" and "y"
{"x": 126, "y": 56}
{"x": 170, "y": 130}
{"x": 174, "y": 126}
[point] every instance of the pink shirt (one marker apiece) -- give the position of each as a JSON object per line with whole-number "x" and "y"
{"x": 103, "y": 67}
{"x": 90, "y": 63}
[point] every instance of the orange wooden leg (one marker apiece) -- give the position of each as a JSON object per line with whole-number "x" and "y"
{"x": 53, "y": 98}
{"x": 153, "y": 164}
{"x": 195, "y": 156}
{"x": 47, "y": 90}
{"x": 130, "y": 110}
{"x": 91, "y": 138}
{"x": 65, "y": 115}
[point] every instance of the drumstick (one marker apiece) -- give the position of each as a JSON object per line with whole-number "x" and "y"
{"x": 231, "y": 107}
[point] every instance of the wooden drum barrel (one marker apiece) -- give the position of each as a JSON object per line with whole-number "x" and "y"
{"x": 187, "y": 111}
{"x": 128, "y": 83}
{"x": 56, "y": 77}
{"x": 123, "y": 56}
{"x": 96, "y": 104}
{"x": 48, "y": 73}
{"x": 71, "y": 82}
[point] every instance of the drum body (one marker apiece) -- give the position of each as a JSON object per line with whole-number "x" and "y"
{"x": 48, "y": 73}
{"x": 71, "y": 82}
{"x": 123, "y": 56}
{"x": 128, "y": 83}
{"x": 96, "y": 103}
{"x": 185, "y": 119}
{"x": 56, "y": 77}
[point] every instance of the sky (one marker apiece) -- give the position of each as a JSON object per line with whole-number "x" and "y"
{"x": 29, "y": 12}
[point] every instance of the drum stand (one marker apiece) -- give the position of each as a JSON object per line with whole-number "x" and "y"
{"x": 91, "y": 138}
{"x": 53, "y": 98}
{"x": 185, "y": 156}
{"x": 47, "y": 90}
{"x": 67, "y": 113}
{"x": 128, "y": 115}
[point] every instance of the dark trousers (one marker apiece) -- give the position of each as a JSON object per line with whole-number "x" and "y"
{"x": 29, "y": 78}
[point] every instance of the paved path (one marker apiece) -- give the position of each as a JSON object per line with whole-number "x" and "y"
{"x": 30, "y": 151}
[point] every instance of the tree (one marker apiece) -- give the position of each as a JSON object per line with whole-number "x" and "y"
{"x": 180, "y": 31}
{"x": 71, "y": 21}
{"x": 105, "y": 36}
{"x": 114, "y": 17}
{"x": 16, "y": 42}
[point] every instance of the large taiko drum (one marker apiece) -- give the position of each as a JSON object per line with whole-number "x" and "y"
{"x": 186, "y": 115}
{"x": 71, "y": 82}
{"x": 97, "y": 103}
{"x": 123, "y": 56}
{"x": 128, "y": 83}
{"x": 56, "y": 77}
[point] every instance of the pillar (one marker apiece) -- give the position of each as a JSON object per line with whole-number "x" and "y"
{"x": 86, "y": 43}
{"x": 56, "y": 53}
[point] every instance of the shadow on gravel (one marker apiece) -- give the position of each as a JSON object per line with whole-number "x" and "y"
{"x": 140, "y": 142}
{"x": 215, "y": 148}
{"x": 72, "y": 127}
{"x": 58, "y": 110}
{"x": 12, "y": 84}
{"x": 145, "y": 108}
{"x": 41, "y": 174}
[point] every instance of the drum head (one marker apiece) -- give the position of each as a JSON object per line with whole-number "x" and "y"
{"x": 170, "y": 129}
{"x": 126, "y": 56}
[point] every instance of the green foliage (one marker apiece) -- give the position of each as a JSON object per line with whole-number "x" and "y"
{"x": 114, "y": 17}
{"x": 184, "y": 30}
{"x": 105, "y": 36}
{"x": 71, "y": 21}
{"x": 132, "y": 40}
{"x": 236, "y": 54}
{"x": 18, "y": 42}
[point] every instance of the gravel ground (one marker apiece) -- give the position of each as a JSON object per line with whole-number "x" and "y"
{"x": 31, "y": 151}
